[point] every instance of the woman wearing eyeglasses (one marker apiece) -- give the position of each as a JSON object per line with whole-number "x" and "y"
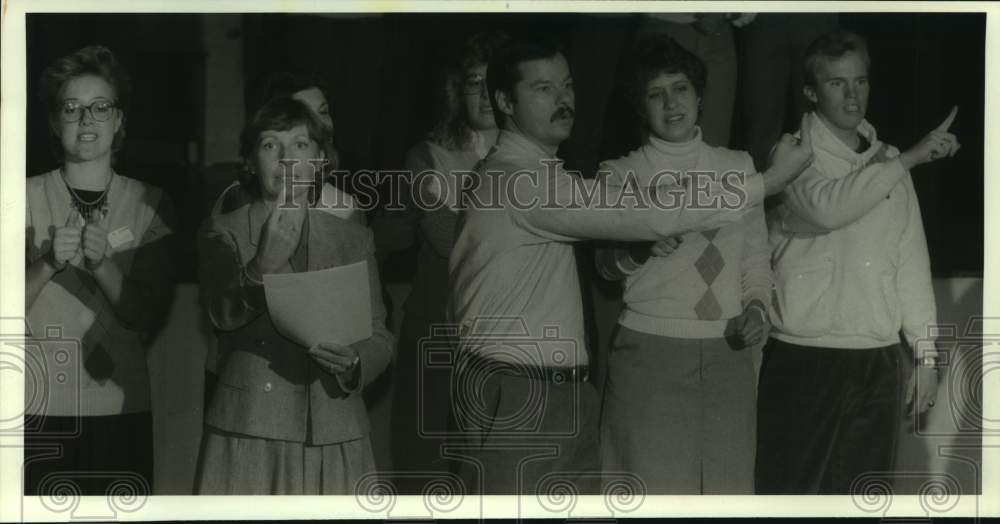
{"x": 461, "y": 135}
{"x": 99, "y": 279}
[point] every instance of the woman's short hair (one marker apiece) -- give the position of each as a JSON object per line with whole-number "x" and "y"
{"x": 91, "y": 60}
{"x": 278, "y": 114}
{"x": 658, "y": 54}
{"x": 450, "y": 127}
{"x": 284, "y": 83}
{"x": 831, "y": 46}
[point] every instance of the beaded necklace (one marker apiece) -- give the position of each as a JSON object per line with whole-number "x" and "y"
{"x": 93, "y": 210}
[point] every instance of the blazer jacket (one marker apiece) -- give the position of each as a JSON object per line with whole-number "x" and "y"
{"x": 269, "y": 387}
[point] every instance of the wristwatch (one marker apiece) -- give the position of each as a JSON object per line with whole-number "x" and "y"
{"x": 928, "y": 362}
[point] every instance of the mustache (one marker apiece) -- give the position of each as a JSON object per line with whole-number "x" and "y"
{"x": 562, "y": 112}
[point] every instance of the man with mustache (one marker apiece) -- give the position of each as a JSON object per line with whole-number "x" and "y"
{"x": 521, "y": 396}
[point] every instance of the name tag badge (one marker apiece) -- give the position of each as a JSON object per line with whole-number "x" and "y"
{"x": 120, "y": 237}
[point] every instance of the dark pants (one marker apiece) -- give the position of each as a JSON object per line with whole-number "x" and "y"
{"x": 421, "y": 403}
{"x": 825, "y": 417}
{"x": 108, "y": 451}
{"x": 528, "y": 436}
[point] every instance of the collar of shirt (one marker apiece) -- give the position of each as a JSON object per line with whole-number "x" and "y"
{"x": 824, "y": 139}
{"x": 521, "y": 150}
{"x": 677, "y": 148}
{"x": 681, "y": 157}
{"x": 479, "y": 144}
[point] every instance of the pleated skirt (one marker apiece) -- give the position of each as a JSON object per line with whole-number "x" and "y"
{"x": 234, "y": 464}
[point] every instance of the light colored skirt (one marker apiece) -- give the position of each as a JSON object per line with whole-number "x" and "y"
{"x": 233, "y": 464}
{"x": 680, "y": 414}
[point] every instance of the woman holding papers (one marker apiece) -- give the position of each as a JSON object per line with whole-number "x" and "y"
{"x": 287, "y": 417}
{"x": 99, "y": 278}
{"x": 462, "y": 134}
{"x": 679, "y": 397}
{"x": 311, "y": 91}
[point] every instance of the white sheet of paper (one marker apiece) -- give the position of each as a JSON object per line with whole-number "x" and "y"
{"x": 330, "y": 305}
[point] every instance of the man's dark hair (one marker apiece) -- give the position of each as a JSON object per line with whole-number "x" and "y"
{"x": 504, "y": 72}
{"x": 832, "y": 46}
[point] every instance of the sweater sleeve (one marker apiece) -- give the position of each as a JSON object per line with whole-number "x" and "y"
{"x": 376, "y": 351}
{"x": 626, "y": 212}
{"x": 913, "y": 276}
{"x": 831, "y": 203}
{"x": 148, "y": 287}
{"x": 617, "y": 260}
{"x": 756, "y": 277}
{"x": 437, "y": 226}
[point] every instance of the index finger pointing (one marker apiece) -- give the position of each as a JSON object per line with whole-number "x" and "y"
{"x": 947, "y": 121}
{"x": 805, "y": 131}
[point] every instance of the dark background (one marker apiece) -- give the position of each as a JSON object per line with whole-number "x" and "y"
{"x": 378, "y": 69}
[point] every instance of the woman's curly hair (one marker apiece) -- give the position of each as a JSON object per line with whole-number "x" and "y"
{"x": 450, "y": 128}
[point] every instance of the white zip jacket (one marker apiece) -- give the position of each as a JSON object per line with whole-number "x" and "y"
{"x": 848, "y": 250}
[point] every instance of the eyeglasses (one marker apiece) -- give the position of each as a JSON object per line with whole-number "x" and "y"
{"x": 100, "y": 111}
{"x": 474, "y": 85}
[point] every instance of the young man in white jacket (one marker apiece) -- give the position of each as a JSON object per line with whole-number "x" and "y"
{"x": 851, "y": 272}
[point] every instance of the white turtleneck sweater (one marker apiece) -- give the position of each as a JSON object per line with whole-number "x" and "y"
{"x": 515, "y": 290}
{"x": 661, "y": 294}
